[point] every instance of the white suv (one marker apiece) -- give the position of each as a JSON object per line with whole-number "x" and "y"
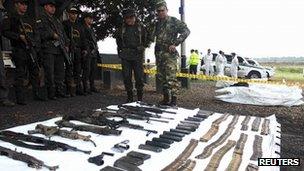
{"x": 246, "y": 70}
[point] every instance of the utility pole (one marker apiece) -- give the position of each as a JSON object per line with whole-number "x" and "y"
{"x": 184, "y": 81}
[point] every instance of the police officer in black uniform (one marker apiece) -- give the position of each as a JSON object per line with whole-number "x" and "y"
{"x": 131, "y": 39}
{"x": 21, "y": 29}
{"x": 74, "y": 33}
{"x": 54, "y": 45}
{"x": 90, "y": 54}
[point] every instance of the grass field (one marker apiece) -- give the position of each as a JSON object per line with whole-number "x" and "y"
{"x": 290, "y": 73}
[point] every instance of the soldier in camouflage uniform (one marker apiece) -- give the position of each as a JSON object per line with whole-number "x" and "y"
{"x": 170, "y": 32}
{"x": 131, "y": 43}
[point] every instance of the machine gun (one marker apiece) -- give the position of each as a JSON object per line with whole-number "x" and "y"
{"x": 30, "y": 160}
{"x": 103, "y": 118}
{"x": 153, "y": 109}
{"x": 44, "y": 144}
{"x": 60, "y": 42}
{"x": 32, "y": 53}
{"x": 89, "y": 128}
{"x": 50, "y": 131}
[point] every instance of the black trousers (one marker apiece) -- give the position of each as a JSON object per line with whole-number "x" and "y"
{"x": 3, "y": 86}
{"x": 193, "y": 69}
{"x": 77, "y": 69}
{"x": 54, "y": 74}
{"x": 25, "y": 71}
{"x": 136, "y": 66}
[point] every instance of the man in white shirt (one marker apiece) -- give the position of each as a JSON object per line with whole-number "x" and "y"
{"x": 220, "y": 62}
{"x": 234, "y": 65}
{"x": 207, "y": 61}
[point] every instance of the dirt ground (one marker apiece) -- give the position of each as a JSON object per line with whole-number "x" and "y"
{"x": 201, "y": 95}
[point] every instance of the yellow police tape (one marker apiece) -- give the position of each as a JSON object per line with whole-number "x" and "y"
{"x": 206, "y": 77}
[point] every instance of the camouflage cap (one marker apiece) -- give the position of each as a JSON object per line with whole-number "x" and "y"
{"x": 46, "y": 2}
{"x": 161, "y": 3}
{"x": 73, "y": 10}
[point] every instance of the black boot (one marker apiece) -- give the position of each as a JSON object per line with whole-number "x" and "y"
{"x": 173, "y": 100}
{"x": 165, "y": 100}
{"x": 20, "y": 96}
{"x": 130, "y": 96}
{"x": 139, "y": 95}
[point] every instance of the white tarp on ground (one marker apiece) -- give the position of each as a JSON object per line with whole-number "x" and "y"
{"x": 77, "y": 161}
{"x": 262, "y": 94}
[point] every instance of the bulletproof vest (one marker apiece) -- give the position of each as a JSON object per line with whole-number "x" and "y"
{"x": 131, "y": 36}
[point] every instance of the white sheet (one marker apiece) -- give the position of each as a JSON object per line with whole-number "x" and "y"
{"x": 77, "y": 161}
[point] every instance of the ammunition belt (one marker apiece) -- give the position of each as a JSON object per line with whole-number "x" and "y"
{"x": 217, "y": 157}
{"x": 238, "y": 153}
{"x": 214, "y": 128}
{"x": 208, "y": 149}
{"x": 257, "y": 148}
{"x": 256, "y": 124}
{"x": 252, "y": 167}
{"x": 188, "y": 166}
{"x": 265, "y": 127}
{"x": 245, "y": 123}
{"x": 182, "y": 157}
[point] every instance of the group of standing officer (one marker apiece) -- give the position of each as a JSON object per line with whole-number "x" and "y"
{"x": 56, "y": 58}
{"x": 132, "y": 38}
{"x": 67, "y": 51}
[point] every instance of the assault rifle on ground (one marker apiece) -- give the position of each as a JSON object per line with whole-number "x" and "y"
{"x": 50, "y": 131}
{"x": 30, "y": 160}
{"x": 103, "y": 118}
{"x": 40, "y": 143}
{"x": 152, "y": 109}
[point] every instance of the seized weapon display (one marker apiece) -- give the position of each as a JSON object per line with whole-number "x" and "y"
{"x": 188, "y": 166}
{"x": 98, "y": 160}
{"x": 50, "y": 131}
{"x": 256, "y": 124}
{"x": 252, "y": 167}
{"x": 182, "y": 157}
{"x": 149, "y": 148}
{"x": 245, "y": 123}
{"x": 139, "y": 155}
{"x": 209, "y": 148}
{"x": 214, "y": 128}
{"x": 103, "y": 118}
{"x": 265, "y": 127}
{"x": 30, "y": 160}
{"x": 237, "y": 153}
{"x": 41, "y": 143}
{"x": 257, "y": 148}
{"x": 217, "y": 157}
{"x": 89, "y": 128}
{"x": 121, "y": 147}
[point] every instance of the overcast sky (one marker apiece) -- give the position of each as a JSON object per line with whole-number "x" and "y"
{"x": 252, "y": 28}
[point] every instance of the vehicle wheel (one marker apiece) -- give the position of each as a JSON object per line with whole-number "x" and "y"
{"x": 254, "y": 74}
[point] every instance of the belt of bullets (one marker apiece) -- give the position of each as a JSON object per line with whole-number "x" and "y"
{"x": 252, "y": 167}
{"x": 217, "y": 157}
{"x": 256, "y": 124}
{"x": 265, "y": 127}
{"x": 237, "y": 153}
{"x": 188, "y": 166}
{"x": 209, "y": 148}
{"x": 214, "y": 128}
{"x": 245, "y": 123}
{"x": 257, "y": 148}
{"x": 182, "y": 157}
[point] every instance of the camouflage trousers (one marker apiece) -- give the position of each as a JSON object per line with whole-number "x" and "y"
{"x": 166, "y": 64}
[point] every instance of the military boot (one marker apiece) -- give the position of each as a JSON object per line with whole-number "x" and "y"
{"x": 173, "y": 100}
{"x": 20, "y": 96}
{"x": 130, "y": 96}
{"x": 139, "y": 95}
{"x": 165, "y": 100}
